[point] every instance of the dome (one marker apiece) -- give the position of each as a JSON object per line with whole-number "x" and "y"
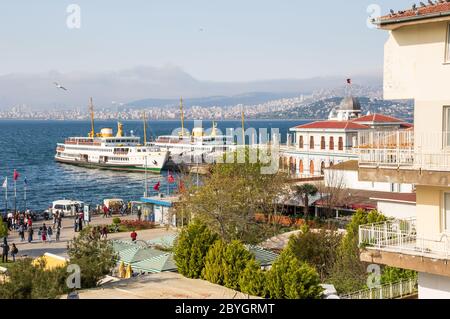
{"x": 350, "y": 104}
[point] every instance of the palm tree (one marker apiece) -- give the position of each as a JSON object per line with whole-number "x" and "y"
{"x": 306, "y": 190}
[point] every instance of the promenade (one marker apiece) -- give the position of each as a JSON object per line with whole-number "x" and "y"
{"x": 37, "y": 248}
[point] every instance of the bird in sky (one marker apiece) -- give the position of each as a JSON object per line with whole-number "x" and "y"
{"x": 59, "y": 86}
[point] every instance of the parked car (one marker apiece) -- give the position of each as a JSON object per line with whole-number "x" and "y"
{"x": 66, "y": 207}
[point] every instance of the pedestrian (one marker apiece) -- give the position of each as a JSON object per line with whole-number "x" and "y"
{"x": 30, "y": 234}
{"x": 80, "y": 223}
{"x": 21, "y": 232}
{"x": 44, "y": 235}
{"x": 5, "y": 250}
{"x": 55, "y": 218}
{"x": 139, "y": 214}
{"x": 105, "y": 211}
{"x": 105, "y": 232}
{"x": 14, "y": 252}
{"x": 59, "y": 221}
{"x": 49, "y": 233}
{"x": 58, "y": 233}
{"x": 75, "y": 224}
{"x": 133, "y": 236}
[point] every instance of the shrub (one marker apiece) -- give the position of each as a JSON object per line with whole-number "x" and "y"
{"x": 191, "y": 248}
{"x": 26, "y": 281}
{"x": 95, "y": 256}
{"x": 214, "y": 263}
{"x": 252, "y": 280}
{"x": 128, "y": 225}
{"x": 3, "y": 228}
{"x": 116, "y": 220}
{"x": 291, "y": 279}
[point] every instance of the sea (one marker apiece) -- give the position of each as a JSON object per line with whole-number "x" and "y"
{"x": 29, "y": 147}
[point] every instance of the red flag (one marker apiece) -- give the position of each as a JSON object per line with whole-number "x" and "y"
{"x": 170, "y": 178}
{"x": 156, "y": 187}
{"x": 349, "y": 81}
{"x": 16, "y": 175}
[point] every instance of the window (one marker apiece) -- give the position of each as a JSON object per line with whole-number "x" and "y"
{"x": 446, "y": 127}
{"x": 341, "y": 144}
{"x": 446, "y": 212}
{"x": 300, "y": 141}
{"x": 322, "y": 143}
{"x": 311, "y": 142}
{"x": 447, "y": 47}
{"x": 331, "y": 143}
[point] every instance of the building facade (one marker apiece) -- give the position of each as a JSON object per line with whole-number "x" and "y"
{"x": 416, "y": 66}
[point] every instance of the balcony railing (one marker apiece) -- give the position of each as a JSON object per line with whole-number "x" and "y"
{"x": 400, "y": 289}
{"x": 400, "y": 236}
{"x": 405, "y": 149}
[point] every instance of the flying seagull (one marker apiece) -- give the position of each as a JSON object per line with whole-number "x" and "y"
{"x": 59, "y": 86}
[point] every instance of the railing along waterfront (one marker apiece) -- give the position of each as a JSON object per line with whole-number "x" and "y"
{"x": 405, "y": 148}
{"x": 400, "y": 289}
{"x": 400, "y": 236}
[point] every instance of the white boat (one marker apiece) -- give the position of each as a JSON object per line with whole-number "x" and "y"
{"x": 114, "y": 152}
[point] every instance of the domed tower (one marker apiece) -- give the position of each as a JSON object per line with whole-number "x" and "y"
{"x": 349, "y": 109}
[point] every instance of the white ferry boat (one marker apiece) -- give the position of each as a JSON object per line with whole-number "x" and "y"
{"x": 114, "y": 152}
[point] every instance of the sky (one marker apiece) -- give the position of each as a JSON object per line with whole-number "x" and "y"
{"x": 211, "y": 40}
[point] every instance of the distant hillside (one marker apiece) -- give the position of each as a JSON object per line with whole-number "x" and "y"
{"x": 321, "y": 109}
{"x": 246, "y": 99}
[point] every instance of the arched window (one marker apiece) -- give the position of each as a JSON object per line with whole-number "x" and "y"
{"x": 331, "y": 143}
{"x": 311, "y": 142}
{"x": 311, "y": 167}
{"x": 300, "y": 168}
{"x": 292, "y": 165}
{"x": 331, "y": 164}
{"x": 322, "y": 143}
{"x": 341, "y": 144}
{"x": 300, "y": 141}
{"x": 322, "y": 168}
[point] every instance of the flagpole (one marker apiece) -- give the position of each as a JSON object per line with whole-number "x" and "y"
{"x": 25, "y": 194}
{"x": 15, "y": 197}
{"x": 145, "y": 183}
{"x": 168, "y": 192}
{"x": 6, "y": 195}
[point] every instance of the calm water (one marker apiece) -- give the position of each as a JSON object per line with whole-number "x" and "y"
{"x": 29, "y": 147}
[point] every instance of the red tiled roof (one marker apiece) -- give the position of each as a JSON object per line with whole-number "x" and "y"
{"x": 378, "y": 118}
{"x": 420, "y": 12}
{"x": 401, "y": 197}
{"x": 344, "y": 125}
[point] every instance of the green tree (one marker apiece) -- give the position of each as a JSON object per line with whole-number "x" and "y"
{"x": 94, "y": 256}
{"x": 28, "y": 281}
{"x": 253, "y": 280}
{"x": 392, "y": 274}
{"x": 349, "y": 273}
{"x": 305, "y": 191}
{"x": 214, "y": 263}
{"x": 3, "y": 229}
{"x": 236, "y": 258}
{"x": 191, "y": 248}
{"x": 230, "y": 197}
{"x": 290, "y": 278}
{"x": 317, "y": 248}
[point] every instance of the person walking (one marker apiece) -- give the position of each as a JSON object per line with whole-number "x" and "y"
{"x": 75, "y": 224}
{"x": 139, "y": 214}
{"x": 133, "y": 236}
{"x": 105, "y": 232}
{"x": 58, "y": 233}
{"x": 80, "y": 223}
{"x": 49, "y": 233}
{"x": 30, "y": 234}
{"x": 5, "y": 250}
{"x": 21, "y": 232}
{"x": 14, "y": 251}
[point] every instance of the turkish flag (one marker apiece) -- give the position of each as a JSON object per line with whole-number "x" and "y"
{"x": 156, "y": 187}
{"x": 16, "y": 175}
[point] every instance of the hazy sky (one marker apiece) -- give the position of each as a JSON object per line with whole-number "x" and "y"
{"x": 241, "y": 39}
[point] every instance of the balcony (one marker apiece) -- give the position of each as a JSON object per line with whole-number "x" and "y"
{"x": 396, "y": 243}
{"x": 404, "y": 156}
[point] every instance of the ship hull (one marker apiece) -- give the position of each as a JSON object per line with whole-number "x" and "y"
{"x": 113, "y": 167}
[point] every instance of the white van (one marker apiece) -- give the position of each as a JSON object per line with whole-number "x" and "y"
{"x": 67, "y": 207}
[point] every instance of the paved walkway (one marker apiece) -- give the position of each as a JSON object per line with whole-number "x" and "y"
{"x": 38, "y": 248}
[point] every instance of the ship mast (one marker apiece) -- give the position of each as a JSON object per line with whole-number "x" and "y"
{"x": 243, "y": 127}
{"x": 182, "y": 117}
{"x": 91, "y": 110}
{"x": 145, "y": 129}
